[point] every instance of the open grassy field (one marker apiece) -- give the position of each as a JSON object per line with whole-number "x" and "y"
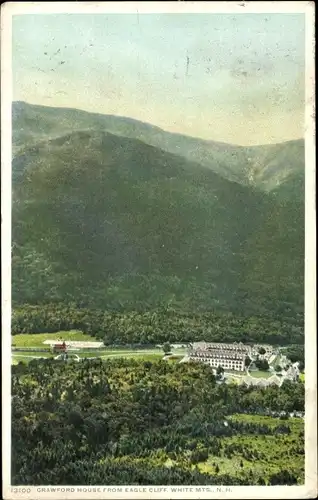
{"x": 262, "y": 455}
{"x": 145, "y": 356}
{"x": 29, "y": 340}
{"x": 37, "y": 339}
{"x": 27, "y": 357}
{"x": 261, "y": 374}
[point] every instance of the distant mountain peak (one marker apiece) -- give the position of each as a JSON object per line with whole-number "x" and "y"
{"x": 263, "y": 167}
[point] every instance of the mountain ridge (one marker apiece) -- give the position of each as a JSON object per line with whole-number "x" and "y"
{"x": 105, "y": 219}
{"x": 246, "y": 165}
{"x": 148, "y": 124}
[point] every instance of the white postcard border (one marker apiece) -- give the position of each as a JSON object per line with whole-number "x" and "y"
{"x": 309, "y": 490}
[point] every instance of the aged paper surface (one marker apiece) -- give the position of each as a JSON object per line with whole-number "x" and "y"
{"x": 180, "y": 103}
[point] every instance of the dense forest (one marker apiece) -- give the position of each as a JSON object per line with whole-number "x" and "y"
{"x": 110, "y": 221}
{"x": 157, "y": 326}
{"x": 142, "y": 422}
{"x": 136, "y": 236}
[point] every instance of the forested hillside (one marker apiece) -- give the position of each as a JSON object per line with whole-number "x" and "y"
{"x": 158, "y": 325}
{"x": 109, "y": 222}
{"x": 136, "y": 422}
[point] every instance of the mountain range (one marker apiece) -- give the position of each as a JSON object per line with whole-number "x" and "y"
{"x": 111, "y": 212}
{"x": 265, "y": 167}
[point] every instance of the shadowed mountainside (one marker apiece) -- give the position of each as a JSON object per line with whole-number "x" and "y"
{"x": 111, "y": 221}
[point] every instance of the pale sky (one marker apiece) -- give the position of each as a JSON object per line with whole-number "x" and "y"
{"x": 224, "y": 77}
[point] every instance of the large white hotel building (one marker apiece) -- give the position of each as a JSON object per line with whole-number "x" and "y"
{"x": 228, "y": 356}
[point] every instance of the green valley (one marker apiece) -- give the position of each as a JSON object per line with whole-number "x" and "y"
{"x": 145, "y": 241}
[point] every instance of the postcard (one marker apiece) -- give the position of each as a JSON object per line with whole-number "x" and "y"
{"x": 158, "y": 256}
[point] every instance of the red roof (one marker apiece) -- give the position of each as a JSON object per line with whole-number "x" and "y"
{"x": 60, "y": 346}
